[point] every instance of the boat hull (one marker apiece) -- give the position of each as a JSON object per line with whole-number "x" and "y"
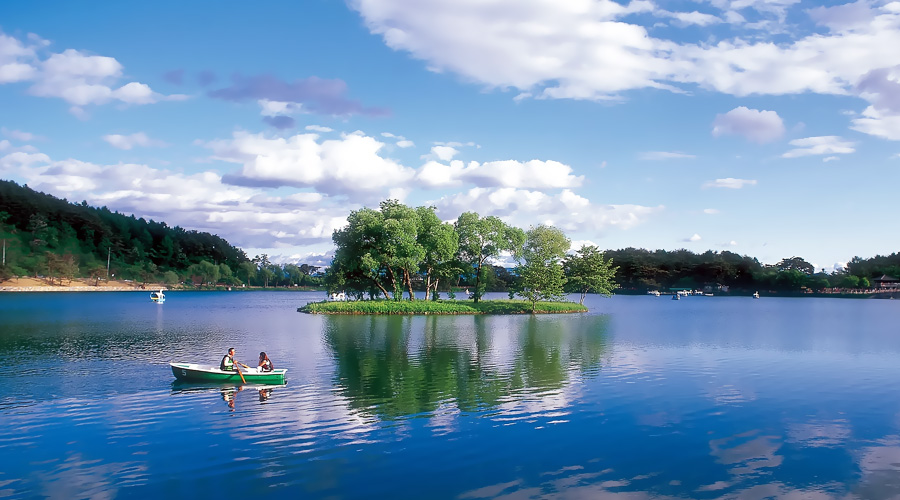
{"x": 198, "y": 373}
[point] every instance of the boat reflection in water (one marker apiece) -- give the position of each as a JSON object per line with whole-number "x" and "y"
{"x": 228, "y": 392}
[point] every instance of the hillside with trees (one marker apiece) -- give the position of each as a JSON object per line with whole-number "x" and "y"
{"x": 53, "y": 238}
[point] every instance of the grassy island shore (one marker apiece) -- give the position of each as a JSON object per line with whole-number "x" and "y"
{"x": 440, "y": 307}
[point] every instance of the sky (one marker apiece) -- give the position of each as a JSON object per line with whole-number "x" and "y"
{"x": 768, "y": 128}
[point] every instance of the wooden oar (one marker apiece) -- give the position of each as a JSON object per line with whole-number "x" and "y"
{"x": 238, "y": 368}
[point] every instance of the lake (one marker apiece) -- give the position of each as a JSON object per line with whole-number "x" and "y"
{"x": 642, "y": 397}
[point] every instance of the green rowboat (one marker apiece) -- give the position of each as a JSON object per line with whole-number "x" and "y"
{"x": 204, "y": 373}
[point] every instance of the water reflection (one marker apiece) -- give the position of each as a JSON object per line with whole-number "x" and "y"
{"x": 396, "y": 367}
{"x": 228, "y": 392}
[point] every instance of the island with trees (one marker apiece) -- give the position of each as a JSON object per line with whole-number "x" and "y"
{"x": 391, "y": 252}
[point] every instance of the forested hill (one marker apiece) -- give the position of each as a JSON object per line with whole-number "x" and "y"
{"x": 43, "y": 233}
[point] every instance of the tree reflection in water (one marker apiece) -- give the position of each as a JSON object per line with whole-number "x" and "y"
{"x": 397, "y": 366}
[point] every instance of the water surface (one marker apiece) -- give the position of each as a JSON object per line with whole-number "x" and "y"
{"x": 643, "y": 397}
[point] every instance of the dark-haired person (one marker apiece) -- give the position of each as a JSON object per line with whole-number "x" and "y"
{"x": 228, "y": 364}
{"x": 265, "y": 364}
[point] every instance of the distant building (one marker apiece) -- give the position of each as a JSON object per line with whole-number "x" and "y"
{"x": 886, "y": 281}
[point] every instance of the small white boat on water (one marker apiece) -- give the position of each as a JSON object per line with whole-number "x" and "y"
{"x": 654, "y": 292}
{"x": 158, "y": 297}
{"x": 755, "y": 295}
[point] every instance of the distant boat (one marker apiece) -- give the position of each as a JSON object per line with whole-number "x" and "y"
{"x": 676, "y": 297}
{"x": 158, "y": 297}
{"x": 755, "y": 295}
{"x": 654, "y": 292}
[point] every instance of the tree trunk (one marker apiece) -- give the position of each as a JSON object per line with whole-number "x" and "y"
{"x": 583, "y": 293}
{"x": 393, "y": 280}
{"x": 427, "y": 283}
{"x": 477, "y": 277}
{"x": 380, "y": 287}
{"x": 409, "y": 284}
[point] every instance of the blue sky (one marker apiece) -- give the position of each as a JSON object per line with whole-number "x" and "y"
{"x": 768, "y": 128}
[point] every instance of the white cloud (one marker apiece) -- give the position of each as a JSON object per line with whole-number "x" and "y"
{"x": 878, "y": 123}
{"x": 78, "y": 78}
{"x": 318, "y": 128}
{"x": 664, "y": 155}
{"x": 402, "y": 142}
{"x": 591, "y": 50}
{"x": 696, "y": 237}
{"x": 443, "y": 153}
{"x": 565, "y": 210}
{"x": 351, "y": 164}
{"x": 830, "y": 158}
{"x": 129, "y": 141}
{"x": 534, "y": 174}
{"x": 710, "y": 211}
{"x": 730, "y": 183}
{"x": 691, "y": 18}
{"x": 4, "y": 144}
{"x": 757, "y": 126}
{"x": 821, "y": 145}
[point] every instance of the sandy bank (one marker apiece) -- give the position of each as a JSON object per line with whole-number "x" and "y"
{"x": 76, "y": 285}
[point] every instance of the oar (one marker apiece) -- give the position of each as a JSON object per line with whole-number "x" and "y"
{"x": 238, "y": 368}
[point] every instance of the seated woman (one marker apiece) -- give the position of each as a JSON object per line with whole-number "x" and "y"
{"x": 265, "y": 364}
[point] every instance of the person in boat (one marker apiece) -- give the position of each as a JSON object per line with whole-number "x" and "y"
{"x": 228, "y": 363}
{"x": 265, "y": 364}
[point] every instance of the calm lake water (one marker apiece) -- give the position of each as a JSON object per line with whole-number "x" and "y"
{"x": 643, "y": 397}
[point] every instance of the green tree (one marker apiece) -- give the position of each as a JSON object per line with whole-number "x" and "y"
{"x": 485, "y": 238}
{"x": 587, "y": 271}
{"x": 169, "y": 278}
{"x": 440, "y": 243}
{"x": 542, "y": 276}
{"x": 796, "y": 263}
{"x": 206, "y": 271}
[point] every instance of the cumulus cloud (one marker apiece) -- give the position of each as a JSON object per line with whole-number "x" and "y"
{"x": 317, "y": 95}
{"x": 443, "y": 153}
{"x": 594, "y": 50}
{"x": 565, "y": 210}
{"x": 318, "y": 128}
{"x": 664, "y": 155}
{"x": 821, "y": 145}
{"x": 534, "y": 174}
{"x": 129, "y": 141}
{"x": 755, "y": 125}
{"x": 350, "y": 164}
{"x": 730, "y": 183}
{"x": 692, "y": 239}
{"x": 77, "y": 77}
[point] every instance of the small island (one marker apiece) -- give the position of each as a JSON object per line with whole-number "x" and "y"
{"x": 396, "y": 250}
{"x": 427, "y": 307}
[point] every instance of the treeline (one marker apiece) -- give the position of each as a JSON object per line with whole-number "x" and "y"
{"x": 393, "y": 249}
{"x": 642, "y": 270}
{"x": 46, "y": 236}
